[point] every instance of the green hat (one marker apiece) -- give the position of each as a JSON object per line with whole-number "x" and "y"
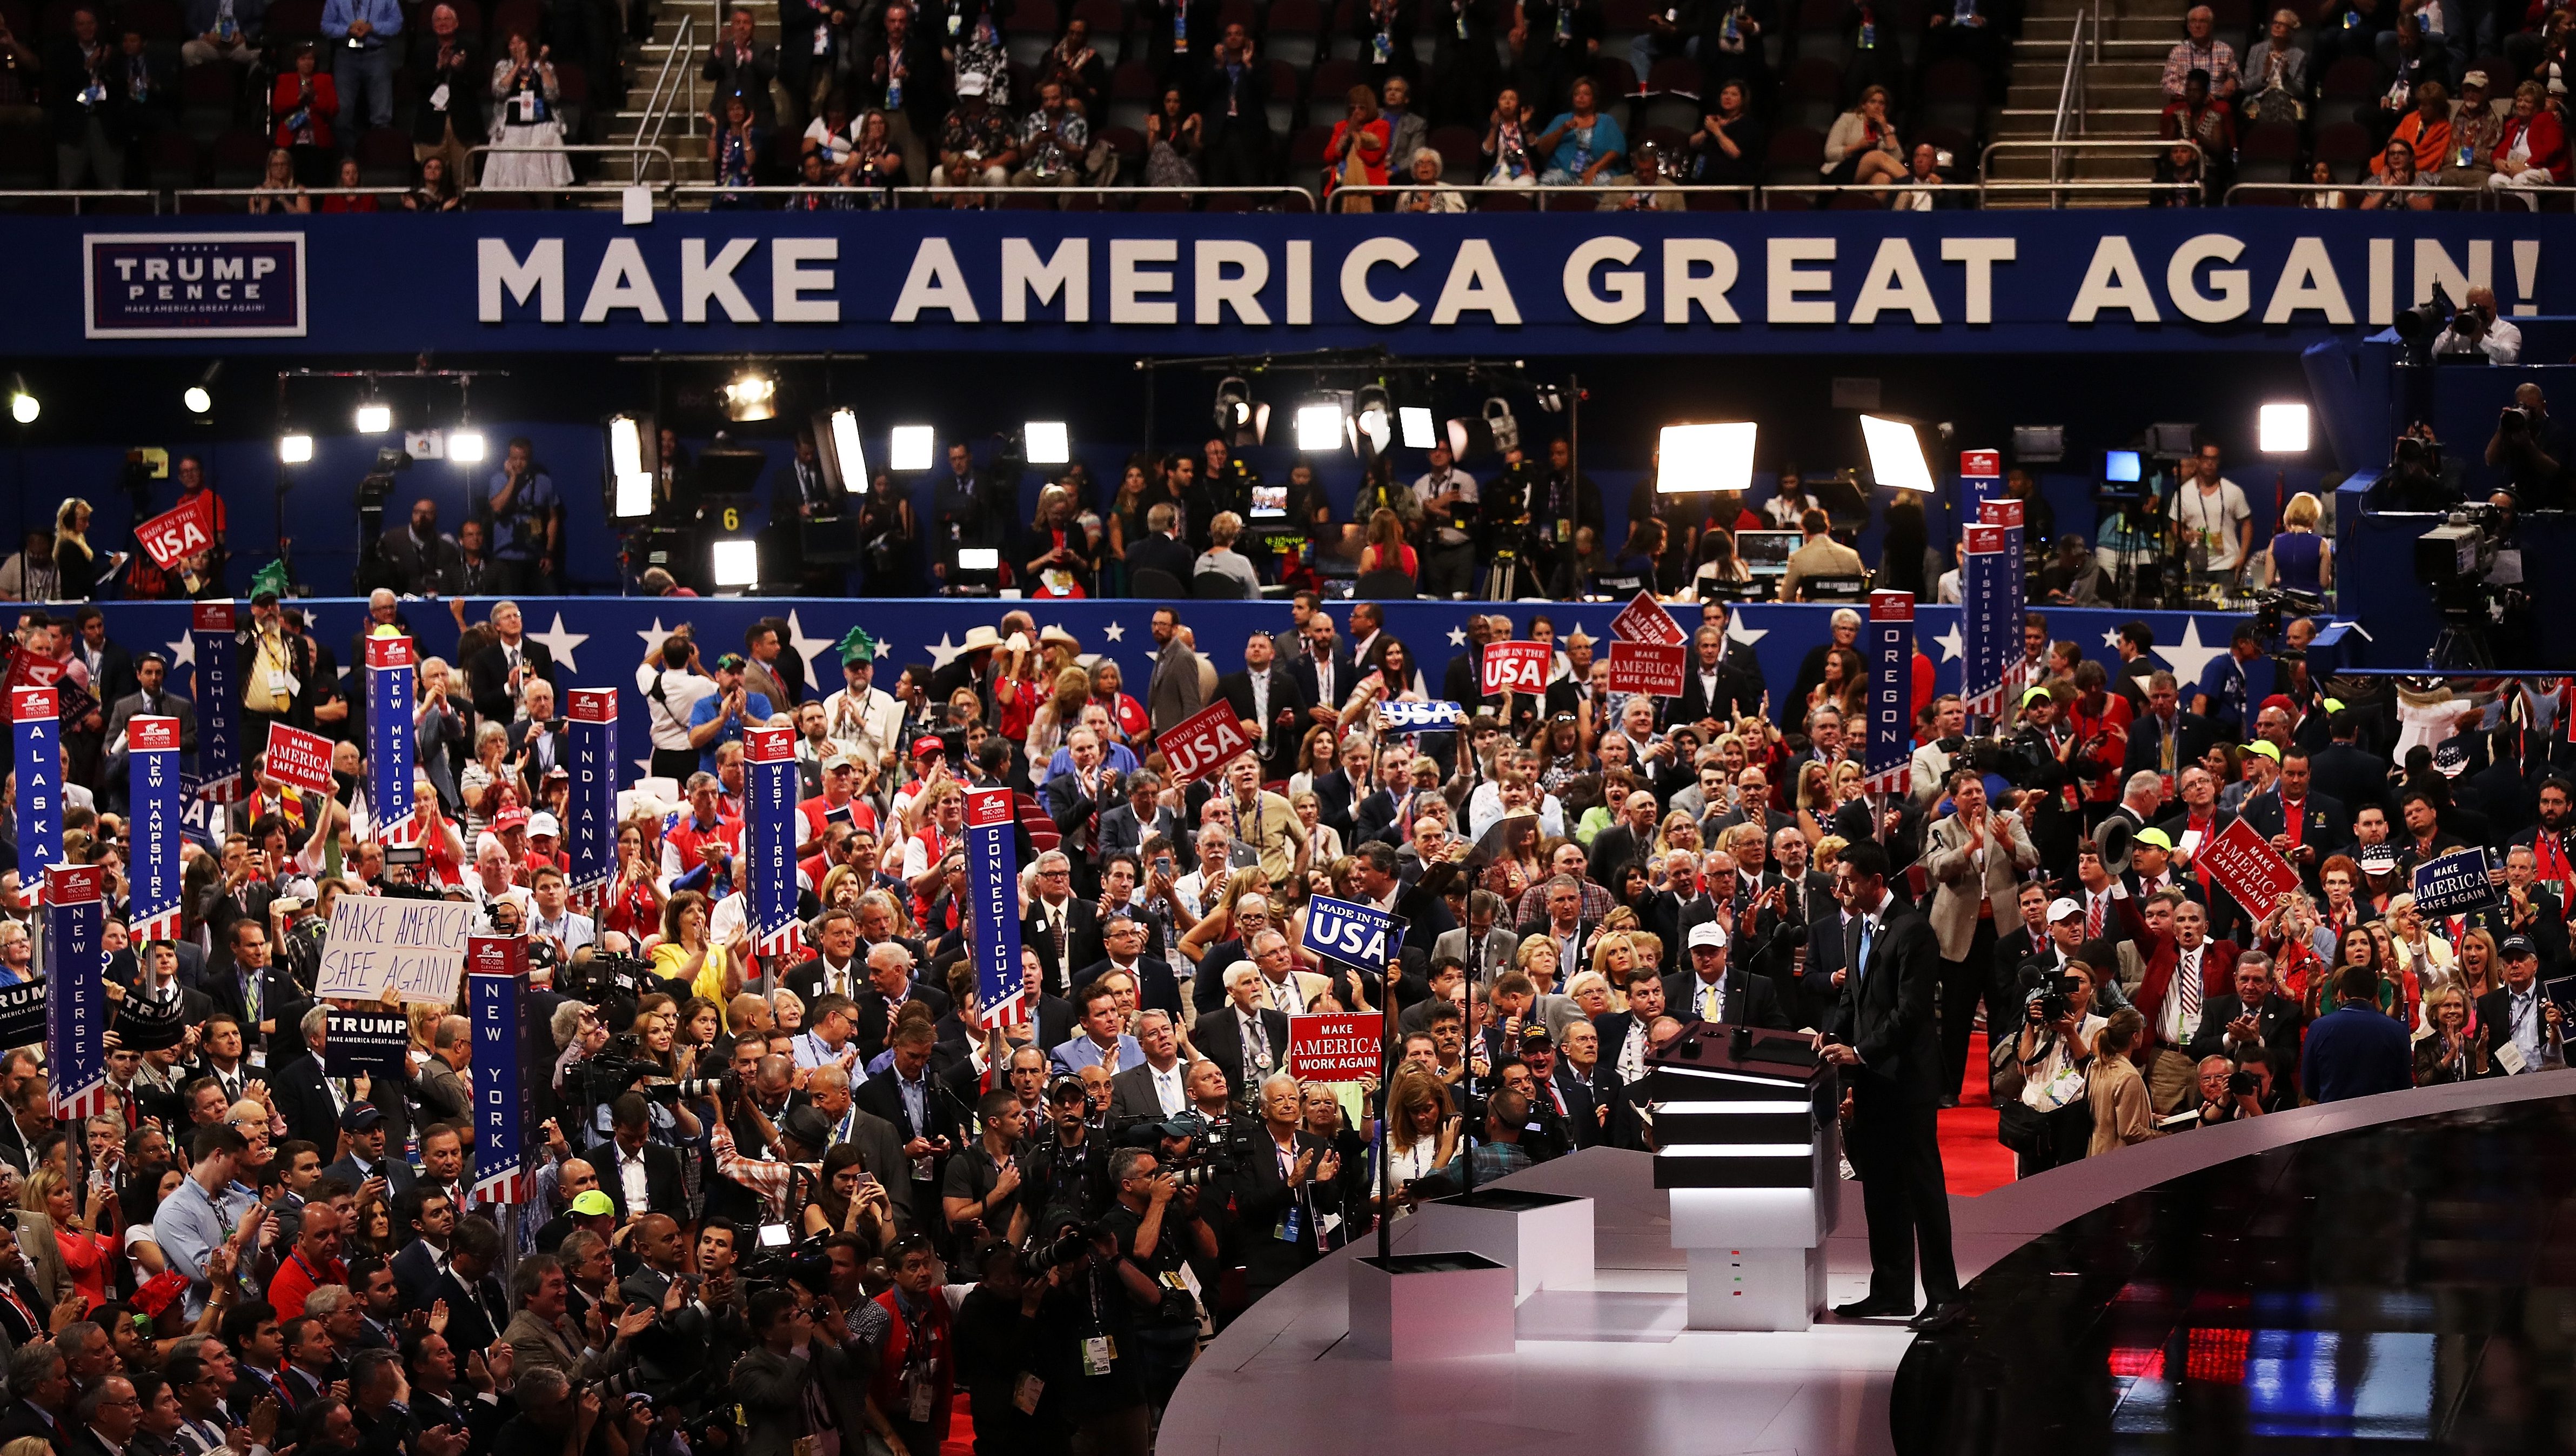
{"x": 2266, "y": 748}
{"x": 591, "y": 1203}
{"x": 2156, "y": 837}
{"x": 270, "y": 578}
{"x": 2033, "y": 695}
{"x": 856, "y": 646}
{"x": 2333, "y": 705}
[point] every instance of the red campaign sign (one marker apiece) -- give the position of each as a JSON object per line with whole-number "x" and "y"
{"x": 988, "y": 807}
{"x": 29, "y": 705}
{"x": 591, "y": 705}
{"x": 1652, "y": 668}
{"x": 1518, "y": 667}
{"x": 147, "y": 734}
{"x": 769, "y": 745}
{"x": 177, "y": 534}
{"x": 1204, "y": 742}
{"x": 1340, "y": 1046}
{"x": 2246, "y": 866}
{"x": 1981, "y": 464}
{"x": 33, "y": 669}
{"x": 298, "y": 759}
{"x": 1645, "y": 620}
{"x": 2005, "y": 512}
{"x": 389, "y": 652}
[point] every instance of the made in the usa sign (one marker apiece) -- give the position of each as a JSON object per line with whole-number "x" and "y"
{"x": 194, "y": 285}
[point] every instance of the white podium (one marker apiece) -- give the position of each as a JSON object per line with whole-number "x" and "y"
{"x": 1751, "y": 1169}
{"x": 1546, "y": 1238}
{"x": 1431, "y": 1306}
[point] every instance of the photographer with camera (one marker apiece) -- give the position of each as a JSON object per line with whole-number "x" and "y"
{"x": 2532, "y": 450}
{"x": 981, "y": 1189}
{"x": 2227, "y": 1093}
{"x": 793, "y": 1372}
{"x": 2477, "y": 329}
{"x": 1067, "y": 1167}
{"x": 1161, "y": 1232}
{"x": 2043, "y": 1115}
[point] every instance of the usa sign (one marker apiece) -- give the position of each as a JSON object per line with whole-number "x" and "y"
{"x": 194, "y": 285}
{"x": 1357, "y": 934}
{"x": 1204, "y": 742}
{"x": 175, "y": 535}
{"x": 1516, "y": 667}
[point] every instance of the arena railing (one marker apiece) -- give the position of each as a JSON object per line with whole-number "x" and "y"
{"x": 1545, "y": 198}
{"x": 2431, "y": 189}
{"x": 78, "y": 195}
{"x": 678, "y": 73}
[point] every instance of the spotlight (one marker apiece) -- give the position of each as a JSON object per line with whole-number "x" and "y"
{"x": 914, "y": 447}
{"x": 751, "y": 395}
{"x": 295, "y": 449}
{"x": 1895, "y": 453}
{"x": 23, "y": 406}
{"x": 735, "y": 562}
{"x": 199, "y": 398}
{"x": 1046, "y": 443}
{"x": 1416, "y": 427}
{"x": 375, "y": 419}
{"x": 1240, "y": 419}
{"x": 1373, "y": 416}
{"x": 1551, "y": 400}
{"x": 2283, "y": 429}
{"x": 1705, "y": 457}
{"x": 843, "y": 456}
{"x": 1319, "y": 427}
{"x": 631, "y": 483}
{"x": 1489, "y": 432}
{"x": 465, "y": 447}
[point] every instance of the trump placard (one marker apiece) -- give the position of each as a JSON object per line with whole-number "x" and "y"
{"x": 298, "y": 759}
{"x": 1516, "y": 667}
{"x": 1652, "y": 668}
{"x": 1204, "y": 742}
{"x": 1645, "y": 620}
{"x": 1338, "y": 1046}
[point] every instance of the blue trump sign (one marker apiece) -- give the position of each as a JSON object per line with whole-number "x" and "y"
{"x": 1357, "y": 934}
{"x": 194, "y": 285}
{"x": 2454, "y": 883}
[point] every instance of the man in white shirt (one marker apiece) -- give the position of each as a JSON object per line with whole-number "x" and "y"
{"x": 865, "y": 719}
{"x": 2478, "y": 330}
{"x": 553, "y": 917}
{"x": 1158, "y": 1087}
{"x": 490, "y": 883}
{"x": 671, "y": 684}
{"x": 2214, "y": 517}
{"x": 1448, "y": 499}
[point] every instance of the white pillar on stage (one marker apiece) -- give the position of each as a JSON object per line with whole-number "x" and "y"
{"x": 1752, "y": 1171}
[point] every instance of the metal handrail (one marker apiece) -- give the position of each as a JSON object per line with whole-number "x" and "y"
{"x": 182, "y": 194}
{"x": 1890, "y": 191}
{"x": 941, "y": 196}
{"x": 1589, "y": 195}
{"x": 76, "y": 194}
{"x": 627, "y": 149}
{"x": 676, "y": 71}
{"x": 2411, "y": 188}
{"x": 2055, "y": 187}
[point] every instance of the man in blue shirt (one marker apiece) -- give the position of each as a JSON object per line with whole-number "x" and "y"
{"x": 718, "y": 718}
{"x": 363, "y": 48}
{"x": 206, "y": 1211}
{"x": 527, "y": 515}
{"x": 2356, "y": 1049}
{"x": 2227, "y": 695}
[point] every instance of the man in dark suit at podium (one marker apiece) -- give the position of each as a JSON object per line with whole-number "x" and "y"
{"x": 1884, "y": 1041}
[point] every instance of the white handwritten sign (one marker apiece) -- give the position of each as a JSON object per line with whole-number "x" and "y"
{"x": 414, "y": 949}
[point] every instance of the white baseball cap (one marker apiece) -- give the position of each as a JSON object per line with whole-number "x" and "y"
{"x": 2061, "y": 907}
{"x": 542, "y": 822}
{"x": 1708, "y": 932}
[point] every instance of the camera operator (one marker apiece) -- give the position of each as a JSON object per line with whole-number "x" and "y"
{"x": 2420, "y": 477}
{"x": 981, "y": 1188}
{"x": 1947, "y": 750}
{"x": 784, "y": 1182}
{"x": 2476, "y": 329}
{"x": 1160, "y": 1231}
{"x": 791, "y": 1373}
{"x": 2533, "y": 452}
{"x": 1068, "y": 1167}
{"x": 1088, "y": 1321}
{"x": 2051, "y": 1057}
{"x": 2227, "y": 1092}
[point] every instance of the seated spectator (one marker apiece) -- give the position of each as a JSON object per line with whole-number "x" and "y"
{"x": 2477, "y": 329}
{"x": 1862, "y": 147}
{"x": 975, "y": 146}
{"x": 1355, "y": 156}
{"x": 1072, "y": 63}
{"x": 2276, "y": 72}
{"x": 222, "y": 30}
{"x": 2530, "y": 148}
{"x": 2196, "y": 117}
{"x": 819, "y": 190}
{"x": 524, "y": 96}
{"x": 2321, "y": 173}
{"x": 1386, "y": 550}
{"x": 2199, "y": 50}
{"x": 833, "y": 134}
{"x": 1654, "y": 190}
{"x": 345, "y": 200}
{"x": 1583, "y": 146}
{"x": 436, "y": 191}
{"x": 1427, "y": 195}
{"x": 876, "y": 162}
{"x": 2074, "y": 578}
{"x": 1916, "y": 193}
{"x": 2400, "y": 160}
{"x": 2475, "y": 124}
{"x": 1054, "y": 142}
{"x": 1507, "y": 143}
{"x": 1172, "y": 142}
{"x": 304, "y": 102}
{"x": 1726, "y": 151}
{"x": 1221, "y": 557}
{"x": 2425, "y": 132}
{"x": 280, "y": 179}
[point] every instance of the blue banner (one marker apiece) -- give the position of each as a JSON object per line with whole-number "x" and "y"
{"x": 2015, "y": 664}
{"x": 769, "y": 837}
{"x": 76, "y": 995}
{"x": 1570, "y": 282}
{"x": 1990, "y": 630}
{"x": 37, "y": 755}
{"x": 590, "y": 818}
{"x": 993, "y": 907}
{"x": 1357, "y": 935}
{"x": 2455, "y": 883}
{"x": 1888, "y": 762}
{"x": 503, "y": 1050}
{"x": 1412, "y": 717}
{"x": 219, "y": 710}
{"x": 152, "y": 797}
{"x": 389, "y": 738}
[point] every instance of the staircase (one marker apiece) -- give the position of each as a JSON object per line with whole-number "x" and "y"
{"x": 2113, "y": 92}
{"x": 683, "y": 123}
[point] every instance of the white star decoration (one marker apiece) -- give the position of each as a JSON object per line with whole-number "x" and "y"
{"x": 812, "y": 649}
{"x": 561, "y": 643}
{"x": 2188, "y": 658}
{"x": 1114, "y": 632}
{"x": 2111, "y": 638}
{"x": 943, "y": 652}
{"x": 1736, "y": 631}
{"x": 1457, "y": 636}
{"x": 183, "y": 653}
{"x": 1954, "y": 644}
{"x": 655, "y": 635}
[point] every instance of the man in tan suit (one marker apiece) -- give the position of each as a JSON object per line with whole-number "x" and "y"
{"x": 1819, "y": 555}
{"x": 1976, "y": 858}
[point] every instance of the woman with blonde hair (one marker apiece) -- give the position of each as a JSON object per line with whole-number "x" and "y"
{"x": 1056, "y": 718}
{"x": 2122, "y": 1113}
{"x": 2449, "y": 1050}
{"x": 77, "y": 568}
{"x": 1323, "y": 841}
{"x": 1679, "y": 831}
{"x": 1423, "y": 1127}
{"x": 2299, "y": 559}
{"x": 86, "y": 1253}
{"x": 1862, "y": 148}
{"x": 686, "y": 954}
{"x": 842, "y": 887}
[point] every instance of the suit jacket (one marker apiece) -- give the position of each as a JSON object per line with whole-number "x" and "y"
{"x": 487, "y": 677}
{"x": 1309, "y": 682}
{"x": 665, "y": 1188}
{"x": 545, "y": 750}
{"x": 1749, "y": 1000}
{"x": 1085, "y": 821}
{"x": 1159, "y": 990}
{"x": 1615, "y": 848}
{"x": 1954, "y": 875}
{"x": 1131, "y": 1096}
{"x": 1159, "y": 552}
{"x": 2192, "y": 737}
{"x": 416, "y": 1273}
{"x": 305, "y": 1103}
{"x": 880, "y": 1095}
{"x": 2350, "y": 775}
{"x": 1499, "y": 947}
{"x": 1219, "y": 1038}
{"x": 398, "y": 1176}
{"x": 44, "y": 1261}
{"x": 164, "y": 704}
{"x": 1885, "y": 1013}
{"x": 2324, "y": 826}
{"x": 469, "y": 1318}
{"x": 417, "y": 565}
{"x": 876, "y": 1014}
{"x": 1082, "y": 943}
{"x": 1288, "y": 720}
{"x": 1172, "y": 693}
{"x": 1739, "y": 689}
{"x": 806, "y": 977}
{"x": 2277, "y": 1021}
{"x": 1584, "y": 932}
{"x": 2217, "y": 970}
{"x": 1582, "y": 1115}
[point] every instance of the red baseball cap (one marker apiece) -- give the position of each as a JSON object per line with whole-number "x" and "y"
{"x": 511, "y": 818}
{"x": 928, "y": 746}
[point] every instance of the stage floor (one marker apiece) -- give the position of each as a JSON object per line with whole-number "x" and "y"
{"x": 2387, "y": 1270}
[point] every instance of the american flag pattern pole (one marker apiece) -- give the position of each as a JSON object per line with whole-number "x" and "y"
{"x": 993, "y": 908}
{"x": 590, "y": 818}
{"x": 769, "y": 834}
{"x": 1888, "y": 766}
{"x": 390, "y": 667}
{"x": 76, "y": 990}
{"x": 212, "y": 642}
{"x": 496, "y": 985}
{"x": 152, "y": 793}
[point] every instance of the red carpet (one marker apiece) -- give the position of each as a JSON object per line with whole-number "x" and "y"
{"x": 1971, "y": 1159}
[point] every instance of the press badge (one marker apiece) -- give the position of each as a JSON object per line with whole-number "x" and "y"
{"x": 439, "y": 97}
{"x": 919, "y": 1405}
{"x": 1097, "y": 1353}
{"x": 2509, "y": 1057}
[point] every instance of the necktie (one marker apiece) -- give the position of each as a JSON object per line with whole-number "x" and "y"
{"x": 1057, "y": 929}
{"x": 2190, "y": 970}
{"x": 1254, "y": 1038}
{"x": 1868, "y": 928}
{"x": 2093, "y": 918}
{"x": 1709, "y": 1005}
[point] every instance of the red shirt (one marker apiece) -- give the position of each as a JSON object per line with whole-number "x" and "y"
{"x": 295, "y": 1279}
{"x": 817, "y": 814}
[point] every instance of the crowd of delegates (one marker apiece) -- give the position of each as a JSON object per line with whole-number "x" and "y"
{"x": 1035, "y": 1225}
{"x": 2420, "y": 95}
